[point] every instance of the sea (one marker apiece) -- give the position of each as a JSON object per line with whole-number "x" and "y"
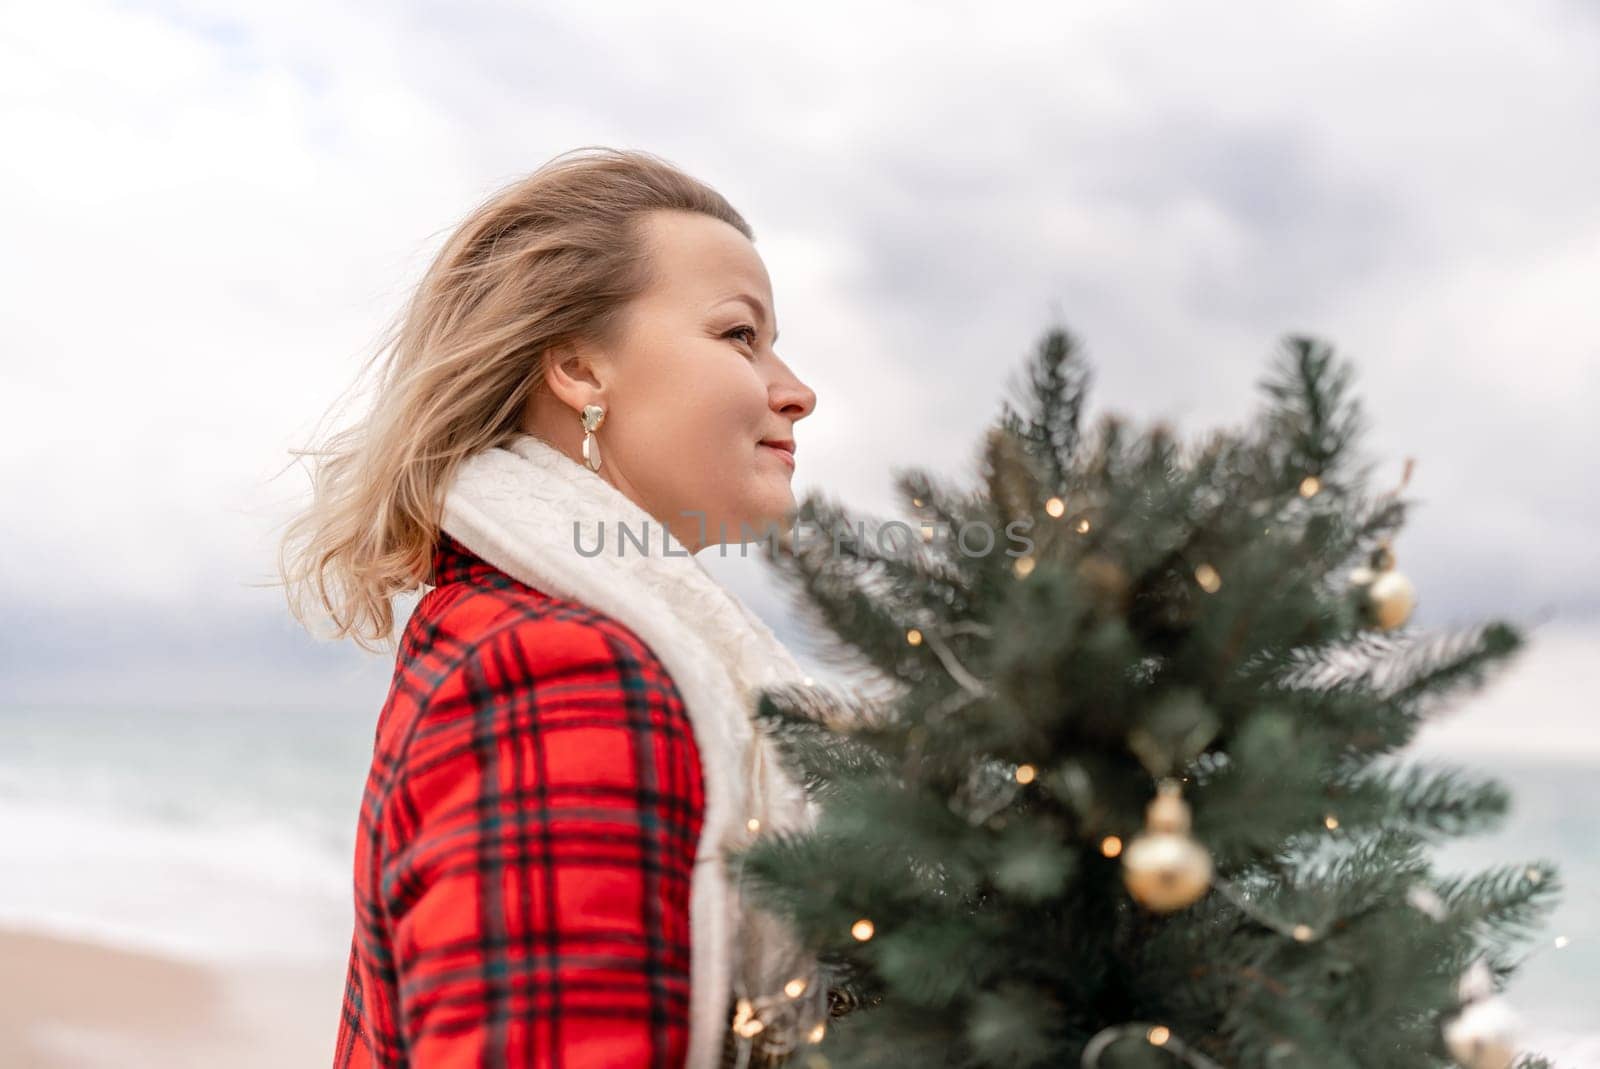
{"x": 228, "y": 838}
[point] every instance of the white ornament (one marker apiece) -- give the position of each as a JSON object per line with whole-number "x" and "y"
{"x": 1484, "y": 1034}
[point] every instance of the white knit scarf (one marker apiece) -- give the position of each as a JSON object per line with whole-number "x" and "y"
{"x": 527, "y": 508}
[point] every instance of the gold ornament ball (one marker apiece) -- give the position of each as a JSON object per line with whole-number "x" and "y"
{"x": 1166, "y": 871}
{"x": 1390, "y": 599}
{"x": 1167, "y": 811}
{"x": 1387, "y": 596}
{"x": 1483, "y": 1034}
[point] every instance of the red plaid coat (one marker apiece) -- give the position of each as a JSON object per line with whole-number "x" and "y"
{"x": 525, "y": 843}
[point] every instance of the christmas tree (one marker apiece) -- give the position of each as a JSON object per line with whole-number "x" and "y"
{"x": 1124, "y": 783}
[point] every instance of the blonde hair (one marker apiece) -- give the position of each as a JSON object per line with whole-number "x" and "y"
{"x": 552, "y": 258}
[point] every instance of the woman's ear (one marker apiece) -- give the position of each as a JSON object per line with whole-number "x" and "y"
{"x": 575, "y": 373}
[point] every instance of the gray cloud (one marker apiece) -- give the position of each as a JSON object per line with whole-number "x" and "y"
{"x": 1180, "y": 186}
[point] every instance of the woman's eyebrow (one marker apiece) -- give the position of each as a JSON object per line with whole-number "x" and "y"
{"x": 760, "y": 310}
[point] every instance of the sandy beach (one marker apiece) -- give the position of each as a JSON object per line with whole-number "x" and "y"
{"x": 73, "y": 1004}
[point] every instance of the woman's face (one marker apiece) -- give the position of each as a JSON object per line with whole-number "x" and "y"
{"x": 695, "y": 388}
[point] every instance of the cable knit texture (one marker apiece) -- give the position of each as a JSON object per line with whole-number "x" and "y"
{"x": 540, "y": 517}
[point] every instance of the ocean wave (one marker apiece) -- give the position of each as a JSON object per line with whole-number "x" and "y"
{"x": 223, "y": 890}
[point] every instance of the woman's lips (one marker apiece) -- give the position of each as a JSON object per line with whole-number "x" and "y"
{"x": 788, "y": 457}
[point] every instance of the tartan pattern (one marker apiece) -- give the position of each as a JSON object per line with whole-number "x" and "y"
{"x": 525, "y": 841}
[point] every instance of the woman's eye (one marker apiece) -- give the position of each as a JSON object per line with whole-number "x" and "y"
{"x": 736, "y": 331}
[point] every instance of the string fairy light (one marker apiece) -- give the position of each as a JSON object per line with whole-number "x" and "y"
{"x": 1560, "y": 942}
{"x": 950, "y": 703}
{"x": 774, "y": 1018}
{"x": 970, "y": 683}
{"x": 1299, "y": 932}
{"x": 1157, "y": 1035}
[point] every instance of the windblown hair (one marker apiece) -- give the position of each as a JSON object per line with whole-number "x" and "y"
{"x": 553, "y": 258}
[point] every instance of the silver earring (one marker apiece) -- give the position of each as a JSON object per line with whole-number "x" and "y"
{"x": 593, "y": 416}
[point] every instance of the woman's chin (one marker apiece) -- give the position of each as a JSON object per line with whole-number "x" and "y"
{"x": 772, "y": 518}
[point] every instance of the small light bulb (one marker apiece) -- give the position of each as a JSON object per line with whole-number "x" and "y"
{"x": 914, "y": 637}
{"x": 1208, "y": 578}
{"x": 753, "y": 824}
{"x": 1111, "y": 846}
{"x": 1055, "y": 507}
{"x": 1303, "y": 933}
{"x": 1025, "y": 773}
{"x": 1159, "y": 1035}
{"x": 1561, "y": 941}
{"x": 796, "y": 987}
{"x": 862, "y": 929}
{"x": 1309, "y": 486}
{"x": 817, "y": 1032}
{"x": 1331, "y": 822}
{"x": 1083, "y": 527}
{"x": 1023, "y": 567}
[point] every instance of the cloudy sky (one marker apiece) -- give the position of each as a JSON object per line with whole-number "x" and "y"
{"x": 211, "y": 209}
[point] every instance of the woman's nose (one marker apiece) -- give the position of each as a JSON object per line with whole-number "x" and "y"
{"x": 792, "y": 397}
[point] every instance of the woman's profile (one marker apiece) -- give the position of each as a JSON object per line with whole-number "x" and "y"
{"x": 582, "y": 392}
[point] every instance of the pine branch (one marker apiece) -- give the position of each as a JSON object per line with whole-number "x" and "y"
{"x": 1051, "y": 407}
{"x": 1428, "y": 801}
{"x": 1312, "y": 413}
{"x": 1503, "y": 904}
